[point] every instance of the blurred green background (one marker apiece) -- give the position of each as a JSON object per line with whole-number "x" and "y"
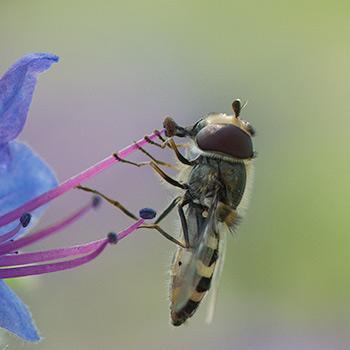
{"x": 124, "y": 66}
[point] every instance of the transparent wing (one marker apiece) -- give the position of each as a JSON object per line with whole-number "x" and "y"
{"x": 216, "y": 277}
{"x": 200, "y": 252}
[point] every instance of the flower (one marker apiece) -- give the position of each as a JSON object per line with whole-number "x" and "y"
{"x": 23, "y": 174}
{"x": 27, "y": 185}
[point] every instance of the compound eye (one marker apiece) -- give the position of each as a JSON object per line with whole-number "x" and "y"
{"x": 225, "y": 138}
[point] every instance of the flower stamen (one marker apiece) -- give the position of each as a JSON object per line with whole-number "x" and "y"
{"x": 9, "y": 247}
{"x": 92, "y": 250}
{"x": 52, "y": 267}
{"x": 74, "y": 181}
{"x": 23, "y": 222}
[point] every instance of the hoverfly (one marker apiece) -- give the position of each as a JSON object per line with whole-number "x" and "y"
{"x": 212, "y": 194}
{"x": 215, "y": 184}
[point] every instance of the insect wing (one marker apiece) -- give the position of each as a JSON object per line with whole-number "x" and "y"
{"x": 216, "y": 277}
{"x": 201, "y": 256}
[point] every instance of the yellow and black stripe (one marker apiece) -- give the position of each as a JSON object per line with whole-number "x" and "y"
{"x": 204, "y": 272}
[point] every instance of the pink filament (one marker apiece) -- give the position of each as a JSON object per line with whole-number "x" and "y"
{"x": 132, "y": 228}
{"x": 73, "y": 181}
{"x": 54, "y": 254}
{"x": 22, "y": 242}
{"x": 10, "y": 234}
{"x": 53, "y": 267}
{"x": 93, "y": 248}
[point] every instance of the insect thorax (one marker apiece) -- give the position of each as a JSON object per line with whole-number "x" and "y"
{"x": 224, "y": 178}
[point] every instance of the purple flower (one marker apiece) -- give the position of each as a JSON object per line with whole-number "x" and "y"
{"x": 26, "y": 185}
{"x": 23, "y": 174}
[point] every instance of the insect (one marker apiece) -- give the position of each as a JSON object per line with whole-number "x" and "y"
{"x": 215, "y": 185}
{"x": 212, "y": 194}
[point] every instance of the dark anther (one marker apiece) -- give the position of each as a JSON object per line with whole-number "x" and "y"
{"x": 147, "y": 213}
{"x": 25, "y": 219}
{"x": 112, "y": 238}
{"x": 96, "y": 201}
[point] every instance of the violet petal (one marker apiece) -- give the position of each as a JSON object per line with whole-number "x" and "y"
{"x": 14, "y": 315}
{"x": 26, "y": 177}
{"x": 16, "y": 92}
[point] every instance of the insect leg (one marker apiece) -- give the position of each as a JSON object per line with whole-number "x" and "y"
{"x": 156, "y": 161}
{"x": 154, "y": 142}
{"x": 109, "y": 200}
{"x": 164, "y": 234}
{"x": 179, "y": 156}
{"x": 166, "y": 177}
{"x": 168, "y": 209}
{"x": 165, "y": 212}
{"x": 171, "y": 144}
{"x": 155, "y": 226}
{"x": 165, "y": 142}
{"x": 184, "y": 226}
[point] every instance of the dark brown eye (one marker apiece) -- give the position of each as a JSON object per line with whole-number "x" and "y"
{"x": 225, "y": 138}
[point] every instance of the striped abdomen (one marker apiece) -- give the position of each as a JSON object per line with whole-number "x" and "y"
{"x": 200, "y": 279}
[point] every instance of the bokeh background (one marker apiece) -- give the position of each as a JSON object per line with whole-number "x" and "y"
{"x": 124, "y": 66}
